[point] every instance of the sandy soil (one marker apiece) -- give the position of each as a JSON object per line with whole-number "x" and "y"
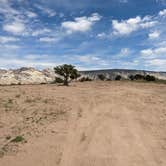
{"x": 86, "y": 124}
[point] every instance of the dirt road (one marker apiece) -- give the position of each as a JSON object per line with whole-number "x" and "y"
{"x": 102, "y": 124}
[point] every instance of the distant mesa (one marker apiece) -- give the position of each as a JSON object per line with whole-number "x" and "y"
{"x": 111, "y": 74}
{"x": 28, "y": 75}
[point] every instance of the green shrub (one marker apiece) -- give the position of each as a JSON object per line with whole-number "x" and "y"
{"x": 18, "y": 139}
{"x": 59, "y": 80}
{"x": 83, "y": 79}
{"x": 101, "y": 77}
{"x": 139, "y": 77}
{"x": 118, "y": 77}
{"x": 131, "y": 77}
{"x": 150, "y": 78}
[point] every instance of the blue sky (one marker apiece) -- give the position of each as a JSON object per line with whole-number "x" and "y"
{"x": 90, "y": 34}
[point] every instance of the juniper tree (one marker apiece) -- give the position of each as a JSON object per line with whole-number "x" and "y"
{"x": 67, "y": 72}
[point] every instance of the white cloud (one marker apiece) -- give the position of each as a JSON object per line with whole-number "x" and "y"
{"x": 162, "y": 12}
{"x": 16, "y": 28}
{"x": 48, "y": 39}
{"x": 81, "y": 24}
{"x": 6, "y": 9}
{"x": 31, "y": 14}
{"x": 125, "y": 51}
{"x": 102, "y": 35}
{"x": 146, "y": 52}
{"x": 154, "y": 35}
{"x": 46, "y": 10}
{"x": 88, "y": 58}
{"x": 91, "y": 60}
{"x": 7, "y": 39}
{"x": 17, "y": 62}
{"x": 41, "y": 32}
{"x": 158, "y": 62}
{"x": 160, "y": 51}
{"x": 9, "y": 47}
{"x": 126, "y": 27}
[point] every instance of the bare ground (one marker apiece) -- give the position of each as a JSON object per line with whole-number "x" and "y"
{"x": 86, "y": 124}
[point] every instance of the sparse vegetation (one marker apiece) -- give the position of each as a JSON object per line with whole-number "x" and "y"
{"x": 142, "y": 77}
{"x": 83, "y": 79}
{"x": 18, "y": 96}
{"x": 8, "y": 137}
{"x": 18, "y": 139}
{"x": 150, "y": 78}
{"x": 67, "y": 72}
{"x": 139, "y": 77}
{"x": 131, "y": 77}
{"x": 32, "y": 100}
{"x": 10, "y": 101}
{"x": 8, "y": 105}
{"x": 102, "y": 77}
{"x": 58, "y": 80}
{"x": 118, "y": 77}
{"x": 29, "y": 100}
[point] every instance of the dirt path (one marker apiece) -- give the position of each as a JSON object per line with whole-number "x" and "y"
{"x": 112, "y": 137}
{"x": 108, "y": 125}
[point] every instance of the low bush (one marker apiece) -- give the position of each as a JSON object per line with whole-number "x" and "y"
{"x": 118, "y": 77}
{"x": 83, "y": 79}
{"x": 150, "y": 78}
{"x": 59, "y": 80}
{"x": 131, "y": 77}
{"x": 101, "y": 77}
{"x": 18, "y": 139}
{"x": 139, "y": 77}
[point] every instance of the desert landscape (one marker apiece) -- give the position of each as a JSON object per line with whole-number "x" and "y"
{"x": 82, "y": 83}
{"x": 99, "y": 123}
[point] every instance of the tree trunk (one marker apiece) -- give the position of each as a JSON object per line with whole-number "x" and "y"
{"x": 66, "y": 82}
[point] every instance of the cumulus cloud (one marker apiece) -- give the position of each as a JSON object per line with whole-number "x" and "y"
{"x": 126, "y": 27}
{"x": 41, "y": 32}
{"x": 9, "y": 47}
{"x": 7, "y": 39}
{"x": 17, "y": 62}
{"x": 162, "y": 12}
{"x": 125, "y": 51}
{"x": 158, "y": 62}
{"x": 15, "y": 27}
{"x": 102, "y": 35}
{"x": 154, "y": 52}
{"x": 81, "y": 24}
{"x": 88, "y": 58}
{"x": 91, "y": 60}
{"x": 31, "y": 14}
{"x": 6, "y": 9}
{"x": 154, "y": 35}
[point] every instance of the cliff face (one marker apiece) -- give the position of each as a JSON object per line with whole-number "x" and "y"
{"x": 32, "y": 76}
{"x": 26, "y": 76}
{"x": 112, "y": 73}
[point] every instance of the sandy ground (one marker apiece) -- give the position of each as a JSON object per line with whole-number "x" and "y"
{"x": 86, "y": 124}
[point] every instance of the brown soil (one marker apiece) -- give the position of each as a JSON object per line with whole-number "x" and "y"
{"x": 86, "y": 124}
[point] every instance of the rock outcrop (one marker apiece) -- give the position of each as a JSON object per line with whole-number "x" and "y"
{"x": 26, "y": 76}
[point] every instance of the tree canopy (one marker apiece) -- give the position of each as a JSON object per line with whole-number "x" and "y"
{"x": 67, "y": 72}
